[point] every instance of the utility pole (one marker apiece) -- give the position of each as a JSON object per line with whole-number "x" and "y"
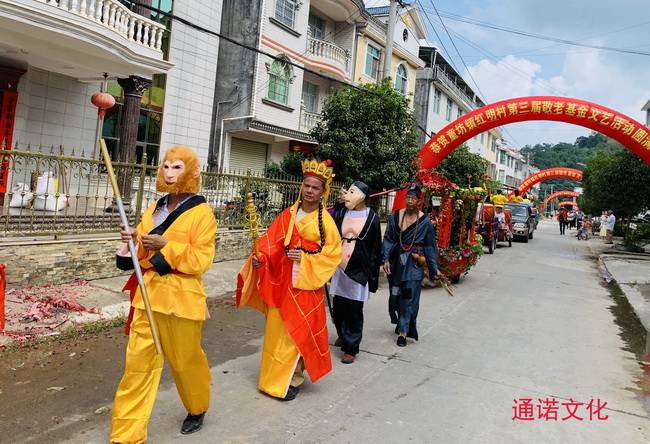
{"x": 388, "y": 56}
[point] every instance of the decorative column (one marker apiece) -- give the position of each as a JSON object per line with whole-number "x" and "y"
{"x": 133, "y": 87}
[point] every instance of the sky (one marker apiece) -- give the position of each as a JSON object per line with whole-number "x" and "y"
{"x": 505, "y": 65}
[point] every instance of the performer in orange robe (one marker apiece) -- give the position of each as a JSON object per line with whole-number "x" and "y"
{"x": 296, "y": 257}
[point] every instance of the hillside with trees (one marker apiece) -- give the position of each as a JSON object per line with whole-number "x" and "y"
{"x": 614, "y": 178}
{"x": 572, "y": 155}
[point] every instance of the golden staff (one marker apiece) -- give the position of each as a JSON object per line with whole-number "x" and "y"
{"x": 134, "y": 256}
{"x": 252, "y": 221}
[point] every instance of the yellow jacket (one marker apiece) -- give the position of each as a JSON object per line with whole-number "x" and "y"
{"x": 177, "y": 287}
{"x": 498, "y": 199}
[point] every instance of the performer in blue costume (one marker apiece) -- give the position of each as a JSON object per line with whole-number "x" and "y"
{"x": 409, "y": 237}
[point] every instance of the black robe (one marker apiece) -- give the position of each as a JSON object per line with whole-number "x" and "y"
{"x": 365, "y": 262}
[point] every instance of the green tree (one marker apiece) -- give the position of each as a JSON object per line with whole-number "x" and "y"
{"x": 617, "y": 181}
{"x": 572, "y": 155}
{"x": 369, "y": 134}
{"x": 464, "y": 168}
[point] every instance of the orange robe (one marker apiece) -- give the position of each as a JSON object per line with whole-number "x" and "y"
{"x": 300, "y": 302}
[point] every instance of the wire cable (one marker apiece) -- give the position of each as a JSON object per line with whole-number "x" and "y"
{"x": 470, "y": 21}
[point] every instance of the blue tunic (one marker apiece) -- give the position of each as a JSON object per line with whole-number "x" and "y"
{"x": 406, "y": 274}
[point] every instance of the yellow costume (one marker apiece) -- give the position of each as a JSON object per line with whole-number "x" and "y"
{"x": 290, "y": 294}
{"x": 173, "y": 277}
{"x": 515, "y": 199}
{"x": 499, "y": 199}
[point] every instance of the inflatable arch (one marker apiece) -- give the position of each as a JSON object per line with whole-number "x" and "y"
{"x": 630, "y": 133}
{"x": 564, "y": 193}
{"x": 627, "y": 131}
{"x": 550, "y": 173}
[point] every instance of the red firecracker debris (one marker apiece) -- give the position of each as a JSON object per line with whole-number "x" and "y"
{"x": 37, "y": 311}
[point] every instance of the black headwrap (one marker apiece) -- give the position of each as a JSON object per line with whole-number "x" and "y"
{"x": 362, "y": 187}
{"x": 414, "y": 189}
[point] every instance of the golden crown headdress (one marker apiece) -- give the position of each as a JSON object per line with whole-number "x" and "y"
{"x": 321, "y": 170}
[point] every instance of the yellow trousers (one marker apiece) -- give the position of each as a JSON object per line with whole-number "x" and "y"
{"x": 181, "y": 343}
{"x": 282, "y": 364}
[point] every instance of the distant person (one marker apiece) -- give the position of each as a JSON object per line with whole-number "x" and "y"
{"x": 562, "y": 219}
{"x": 499, "y": 198}
{"x": 603, "y": 225}
{"x": 525, "y": 199}
{"x": 584, "y": 230}
{"x": 579, "y": 218}
{"x": 500, "y": 216}
{"x": 515, "y": 197}
{"x": 609, "y": 223}
{"x": 339, "y": 205}
{"x": 571, "y": 219}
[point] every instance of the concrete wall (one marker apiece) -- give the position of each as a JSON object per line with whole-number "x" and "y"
{"x": 55, "y": 110}
{"x": 423, "y": 103}
{"x": 54, "y": 262}
{"x": 234, "y": 83}
{"x": 190, "y": 85}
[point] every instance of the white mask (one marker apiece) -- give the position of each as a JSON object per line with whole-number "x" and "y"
{"x": 353, "y": 197}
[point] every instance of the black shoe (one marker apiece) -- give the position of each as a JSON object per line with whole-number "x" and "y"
{"x": 291, "y": 393}
{"x": 338, "y": 342}
{"x": 192, "y": 423}
{"x": 397, "y": 329}
{"x": 401, "y": 341}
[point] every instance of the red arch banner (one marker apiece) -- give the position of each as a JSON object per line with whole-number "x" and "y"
{"x": 630, "y": 133}
{"x": 564, "y": 193}
{"x": 550, "y": 173}
{"x": 568, "y": 202}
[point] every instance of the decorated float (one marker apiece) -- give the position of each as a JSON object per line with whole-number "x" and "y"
{"x": 453, "y": 211}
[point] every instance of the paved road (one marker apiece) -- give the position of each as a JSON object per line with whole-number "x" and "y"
{"x": 531, "y": 321}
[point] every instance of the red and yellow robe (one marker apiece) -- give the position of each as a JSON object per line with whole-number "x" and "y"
{"x": 272, "y": 290}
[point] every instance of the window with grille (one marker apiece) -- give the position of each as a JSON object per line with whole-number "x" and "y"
{"x": 310, "y": 97}
{"x": 401, "y": 79}
{"x": 449, "y": 108}
{"x": 373, "y": 56}
{"x": 285, "y": 12}
{"x": 316, "y": 27}
{"x": 279, "y": 82}
{"x": 437, "y": 98}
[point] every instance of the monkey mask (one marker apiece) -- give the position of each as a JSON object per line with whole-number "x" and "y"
{"x": 179, "y": 172}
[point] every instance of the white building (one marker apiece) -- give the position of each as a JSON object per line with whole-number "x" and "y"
{"x": 513, "y": 168}
{"x": 265, "y": 107}
{"x": 442, "y": 96}
{"x": 53, "y": 55}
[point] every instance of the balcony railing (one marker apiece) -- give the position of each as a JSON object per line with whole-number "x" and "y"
{"x": 329, "y": 51}
{"x": 443, "y": 78}
{"x": 113, "y": 15}
{"x": 308, "y": 121}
